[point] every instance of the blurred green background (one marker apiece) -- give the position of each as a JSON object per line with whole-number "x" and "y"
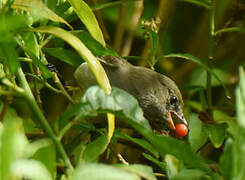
{"x": 197, "y": 43}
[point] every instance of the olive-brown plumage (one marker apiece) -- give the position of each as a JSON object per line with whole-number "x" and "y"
{"x": 158, "y": 95}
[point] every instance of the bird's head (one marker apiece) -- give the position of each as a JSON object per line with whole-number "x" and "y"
{"x": 173, "y": 102}
{"x": 162, "y": 102}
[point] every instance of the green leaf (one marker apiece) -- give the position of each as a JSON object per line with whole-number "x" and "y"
{"x": 175, "y": 147}
{"x": 47, "y": 156}
{"x": 172, "y": 165}
{"x": 139, "y": 169}
{"x": 65, "y": 116}
{"x": 46, "y": 73}
{"x": 105, "y": 5}
{"x": 10, "y": 56}
{"x": 88, "y": 18}
{"x": 38, "y": 10}
{"x": 230, "y": 29}
{"x": 190, "y": 174}
{"x": 37, "y": 145}
{"x": 126, "y": 107}
{"x": 94, "y": 46}
{"x": 227, "y": 158}
{"x": 102, "y": 172}
{"x": 160, "y": 164}
{"x": 197, "y": 136}
{"x": 119, "y": 102}
{"x": 239, "y": 155}
{"x": 154, "y": 39}
{"x": 84, "y": 52}
{"x": 95, "y": 148}
{"x": 31, "y": 42}
{"x": 30, "y": 169}
{"x": 239, "y": 134}
{"x": 13, "y": 143}
{"x": 64, "y": 55}
{"x": 240, "y": 99}
{"x": 137, "y": 141}
{"x": 11, "y": 24}
{"x": 202, "y": 64}
{"x": 202, "y": 3}
{"x": 216, "y": 133}
{"x": 221, "y": 117}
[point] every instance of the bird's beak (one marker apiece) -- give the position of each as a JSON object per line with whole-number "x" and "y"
{"x": 180, "y": 117}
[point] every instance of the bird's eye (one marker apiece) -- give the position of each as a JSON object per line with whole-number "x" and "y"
{"x": 173, "y": 100}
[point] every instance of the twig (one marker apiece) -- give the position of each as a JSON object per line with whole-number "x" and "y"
{"x": 52, "y": 88}
{"x": 65, "y": 129}
{"x": 122, "y": 159}
{"x": 139, "y": 6}
{"x": 44, "y": 42}
{"x": 159, "y": 175}
{"x": 64, "y": 92}
{"x": 44, "y": 83}
{"x": 210, "y": 56}
{"x": 36, "y": 90}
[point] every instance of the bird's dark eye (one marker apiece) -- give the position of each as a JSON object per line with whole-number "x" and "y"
{"x": 173, "y": 100}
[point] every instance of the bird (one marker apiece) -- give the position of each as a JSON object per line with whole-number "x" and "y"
{"x": 157, "y": 95}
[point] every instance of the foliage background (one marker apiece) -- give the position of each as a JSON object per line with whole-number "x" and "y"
{"x": 45, "y": 136}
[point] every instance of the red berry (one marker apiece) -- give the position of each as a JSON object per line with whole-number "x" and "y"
{"x": 181, "y": 130}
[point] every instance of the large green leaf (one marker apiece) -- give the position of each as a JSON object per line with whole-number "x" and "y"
{"x": 13, "y": 143}
{"x": 172, "y": 165}
{"x": 64, "y": 55}
{"x": 94, "y": 46}
{"x": 10, "y": 24}
{"x": 216, "y": 133}
{"x": 139, "y": 169}
{"x": 240, "y": 99}
{"x": 47, "y": 156}
{"x": 95, "y": 148}
{"x": 8, "y": 53}
{"x": 239, "y": 136}
{"x": 31, "y": 43}
{"x": 146, "y": 145}
{"x": 239, "y": 155}
{"x": 84, "y": 52}
{"x": 7, "y": 50}
{"x": 227, "y": 159}
{"x": 175, "y": 147}
{"x": 102, "y": 172}
{"x": 30, "y": 169}
{"x": 38, "y": 10}
{"x": 118, "y": 102}
{"x": 190, "y": 174}
{"x": 89, "y": 20}
{"x": 96, "y": 101}
{"x": 197, "y": 136}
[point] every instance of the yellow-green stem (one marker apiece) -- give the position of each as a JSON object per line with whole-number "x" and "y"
{"x": 40, "y": 117}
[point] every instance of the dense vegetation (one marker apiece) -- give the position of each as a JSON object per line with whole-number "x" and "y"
{"x": 45, "y": 132}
